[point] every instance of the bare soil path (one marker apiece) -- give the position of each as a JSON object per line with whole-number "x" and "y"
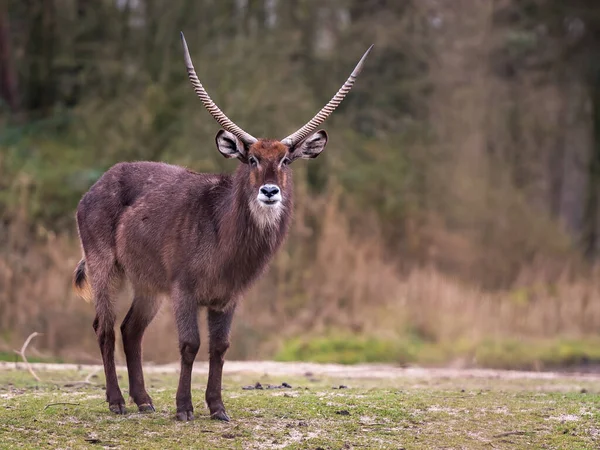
{"x": 364, "y": 371}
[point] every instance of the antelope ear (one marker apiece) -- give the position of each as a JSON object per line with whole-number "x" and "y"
{"x": 311, "y": 147}
{"x": 230, "y": 146}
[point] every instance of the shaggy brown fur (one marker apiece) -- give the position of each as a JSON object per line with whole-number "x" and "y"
{"x": 201, "y": 239}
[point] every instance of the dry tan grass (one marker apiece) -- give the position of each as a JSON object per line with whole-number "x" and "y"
{"x": 324, "y": 278}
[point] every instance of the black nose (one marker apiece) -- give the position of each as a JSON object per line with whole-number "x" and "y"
{"x": 269, "y": 190}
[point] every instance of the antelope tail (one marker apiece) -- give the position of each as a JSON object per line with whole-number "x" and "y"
{"x": 81, "y": 284}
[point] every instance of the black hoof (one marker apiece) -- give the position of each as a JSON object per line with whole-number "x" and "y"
{"x": 117, "y": 408}
{"x": 220, "y": 415}
{"x": 146, "y": 408}
{"x": 185, "y": 416}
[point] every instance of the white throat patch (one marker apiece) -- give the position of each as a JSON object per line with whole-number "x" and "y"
{"x": 264, "y": 215}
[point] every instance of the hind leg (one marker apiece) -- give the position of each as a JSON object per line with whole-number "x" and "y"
{"x": 104, "y": 280}
{"x": 141, "y": 313}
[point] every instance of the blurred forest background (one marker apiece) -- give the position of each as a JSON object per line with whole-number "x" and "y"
{"x": 453, "y": 218}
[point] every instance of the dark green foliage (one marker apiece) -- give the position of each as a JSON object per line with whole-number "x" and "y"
{"x": 469, "y": 143}
{"x": 101, "y": 83}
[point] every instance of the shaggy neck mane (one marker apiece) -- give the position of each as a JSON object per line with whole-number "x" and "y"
{"x": 258, "y": 230}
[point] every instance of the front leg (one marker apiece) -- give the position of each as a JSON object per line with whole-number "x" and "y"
{"x": 186, "y": 318}
{"x": 219, "y": 324}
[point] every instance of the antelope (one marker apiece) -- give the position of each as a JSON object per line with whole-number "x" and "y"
{"x": 200, "y": 238}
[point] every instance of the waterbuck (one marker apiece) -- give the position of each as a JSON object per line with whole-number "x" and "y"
{"x": 200, "y": 238}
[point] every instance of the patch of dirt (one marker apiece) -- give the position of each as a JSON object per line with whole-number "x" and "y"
{"x": 565, "y": 418}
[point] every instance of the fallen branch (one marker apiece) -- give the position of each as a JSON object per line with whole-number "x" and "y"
{"x": 90, "y": 375}
{"x": 22, "y": 354}
{"x": 60, "y": 403}
{"x": 511, "y": 433}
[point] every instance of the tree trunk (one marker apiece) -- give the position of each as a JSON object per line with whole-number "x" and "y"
{"x": 590, "y": 237}
{"x": 8, "y": 77}
{"x": 41, "y": 83}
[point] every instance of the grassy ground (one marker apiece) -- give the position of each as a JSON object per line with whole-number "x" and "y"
{"x": 425, "y": 409}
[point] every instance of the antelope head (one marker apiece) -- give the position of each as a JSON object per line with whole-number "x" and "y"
{"x": 266, "y": 160}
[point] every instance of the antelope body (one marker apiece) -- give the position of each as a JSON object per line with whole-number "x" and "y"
{"x": 200, "y": 239}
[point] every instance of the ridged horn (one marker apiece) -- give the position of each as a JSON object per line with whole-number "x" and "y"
{"x": 212, "y": 108}
{"x": 322, "y": 115}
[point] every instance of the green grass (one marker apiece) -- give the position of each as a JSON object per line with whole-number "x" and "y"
{"x": 13, "y": 357}
{"x": 348, "y": 349}
{"x": 405, "y": 412}
{"x": 409, "y": 349}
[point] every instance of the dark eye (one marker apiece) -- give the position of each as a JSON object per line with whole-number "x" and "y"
{"x": 253, "y": 161}
{"x": 285, "y": 161}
